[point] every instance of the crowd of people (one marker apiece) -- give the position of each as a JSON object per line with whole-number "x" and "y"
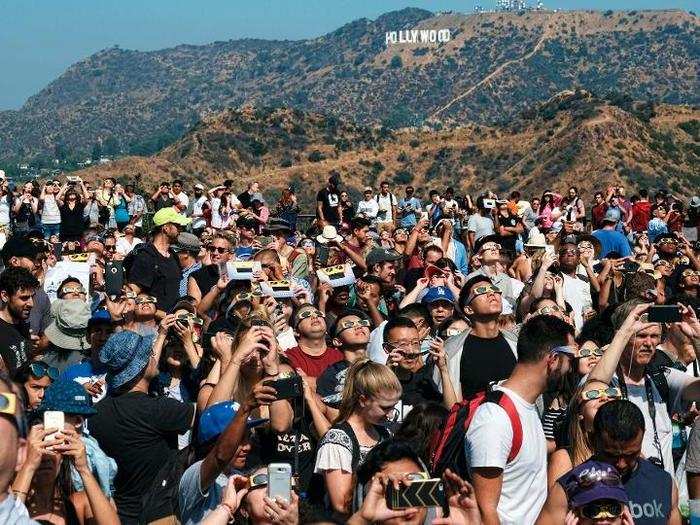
{"x": 407, "y": 358}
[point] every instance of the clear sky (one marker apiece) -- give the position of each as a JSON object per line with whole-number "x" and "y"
{"x": 39, "y": 39}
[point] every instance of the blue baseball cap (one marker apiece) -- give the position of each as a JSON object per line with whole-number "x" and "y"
{"x": 65, "y": 395}
{"x": 125, "y": 355}
{"x": 438, "y": 293}
{"x": 216, "y": 418}
{"x": 100, "y": 317}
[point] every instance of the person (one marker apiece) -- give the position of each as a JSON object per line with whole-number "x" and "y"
{"x": 35, "y": 379}
{"x": 611, "y": 240}
{"x": 641, "y": 212}
{"x": 287, "y": 208}
{"x": 50, "y": 214}
{"x": 386, "y": 212}
{"x": 121, "y": 207}
{"x": 515, "y": 491}
{"x": 138, "y": 431}
{"x": 17, "y": 287}
{"x": 488, "y": 252}
{"x": 576, "y": 288}
{"x": 370, "y": 394}
{"x": 368, "y": 207}
{"x": 67, "y": 333}
{"x": 509, "y": 227}
{"x": 187, "y": 250}
{"x": 71, "y": 205}
{"x": 410, "y": 208}
{"x": 180, "y": 198}
{"x": 66, "y": 477}
{"x": 6, "y": 198}
{"x": 128, "y": 241}
{"x": 312, "y": 355}
{"x": 162, "y": 197}
{"x": 154, "y": 269}
{"x": 13, "y": 448}
{"x": 259, "y": 212}
{"x": 328, "y": 204}
{"x": 246, "y": 197}
{"x": 24, "y": 210}
{"x": 618, "y": 430}
{"x": 624, "y": 365}
{"x": 246, "y": 237}
{"x": 440, "y": 302}
{"x": 136, "y": 207}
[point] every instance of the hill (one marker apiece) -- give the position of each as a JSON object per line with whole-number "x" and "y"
{"x": 495, "y": 66}
{"x": 573, "y": 138}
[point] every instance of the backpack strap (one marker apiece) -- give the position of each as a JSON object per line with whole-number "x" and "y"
{"x": 506, "y": 403}
{"x": 345, "y": 427}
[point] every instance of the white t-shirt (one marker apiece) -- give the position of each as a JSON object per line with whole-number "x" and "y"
{"x": 197, "y": 206}
{"x": 124, "y": 246}
{"x": 368, "y": 208}
{"x": 50, "y": 213}
{"x": 4, "y": 211}
{"x": 182, "y": 199}
{"x": 385, "y": 213}
{"x": 578, "y": 294}
{"x": 677, "y": 381}
{"x": 487, "y": 444}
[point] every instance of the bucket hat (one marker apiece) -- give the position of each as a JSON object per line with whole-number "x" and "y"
{"x": 69, "y": 326}
{"x": 125, "y": 354}
{"x": 329, "y": 234}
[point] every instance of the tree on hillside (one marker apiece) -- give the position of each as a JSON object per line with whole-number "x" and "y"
{"x": 96, "y": 151}
{"x": 396, "y": 62}
{"x": 111, "y": 147}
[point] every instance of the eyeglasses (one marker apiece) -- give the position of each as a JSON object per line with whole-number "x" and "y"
{"x": 453, "y": 331}
{"x": 666, "y": 241}
{"x": 690, "y": 273}
{"x": 310, "y": 312}
{"x": 146, "y": 299}
{"x": 346, "y": 325}
{"x": 548, "y": 310}
{"x": 598, "y": 510}
{"x": 585, "y": 245}
{"x": 40, "y": 369}
{"x": 662, "y": 262}
{"x": 482, "y": 290}
{"x": 129, "y": 295}
{"x": 243, "y": 296}
{"x": 217, "y": 249}
{"x": 490, "y": 246}
{"x": 588, "y": 352}
{"x": 611, "y": 392}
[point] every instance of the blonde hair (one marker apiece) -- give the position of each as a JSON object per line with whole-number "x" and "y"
{"x": 580, "y": 449}
{"x": 369, "y": 379}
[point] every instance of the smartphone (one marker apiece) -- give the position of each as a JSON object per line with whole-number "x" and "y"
{"x": 57, "y": 250}
{"x": 489, "y": 204}
{"x": 279, "y": 481}
{"x": 322, "y": 254}
{"x": 53, "y": 419}
{"x": 114, "y": 278}
{"x": 419, "y": 493}
{"x": 222, "y": 269}
{"x": 287, "y": 388}
{"x": 664, "y": 313}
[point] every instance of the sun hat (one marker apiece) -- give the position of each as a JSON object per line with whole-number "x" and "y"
{"x": 379, "y": 255}
{"x": 438, "y": 293}
{"x": 187, "y": 242}
{"x": 65, "y": 395}
{"x": 216, "y": 418}
{"x": 592, "y": 481}
{"x": 329, "y": 234}
{"x": 166, "y": 215}
{"x": 536, "y": 239}
{"x": 69, "y": 325}
{"x": 125, "y": 355}
{"x": 198, "y": 186}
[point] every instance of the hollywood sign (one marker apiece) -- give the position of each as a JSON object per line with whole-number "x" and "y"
{"x": 417, "y": 36}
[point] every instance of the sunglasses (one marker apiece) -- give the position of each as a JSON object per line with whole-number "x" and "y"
{"x": 611, "y": 392}
{"x": 243, "y": 296}
{"x": 662, "y": 262}
{"x": 548, "y": 310}
{"x": 568, "y": 251}
{"x": 217, "y": 249}
{"x": 190, "y": 318}
{"x": 585, "y": 246}
{"x": 310, "y": 312}
{"x": 10, "y": 406}
{"x": 690, "y": 273}
{"x": 597, "y": 510}
{"x": 666, "y": 241}
{"x": 402, "y": 348}
{"x": 490, "y": 246}
{"x": 346, "y": 325}
{"x": 40, "y": 369}
{"x": 483, "y": 290}
{"x": 148, "y": 299}
{"x": 588, "y": 352}
{"x": 72, "y": 289}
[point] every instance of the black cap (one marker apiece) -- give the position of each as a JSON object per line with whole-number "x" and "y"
{"x": 380, "y": 255}
{"x": 19, "y": 247}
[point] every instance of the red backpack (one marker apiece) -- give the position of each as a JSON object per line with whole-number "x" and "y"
{"x": 448, "y": 442}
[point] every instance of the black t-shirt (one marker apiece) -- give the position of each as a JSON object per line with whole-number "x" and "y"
{"x": 245, "y": 198}
{"x": 15, "y": 347}
{"x": 417, "y": 387}
{"x": 508, "y": 241}
{"x": 484, "y": 361}
{"x": 163, "y": 202}
{"x": 140, "y": 433}
{"x": 206, "y": 278}
{"x": 72, "y": 223}
{"x": 157, "y": 275}
{"x": 329, "y": 204}
{"x": 330, "y": 383}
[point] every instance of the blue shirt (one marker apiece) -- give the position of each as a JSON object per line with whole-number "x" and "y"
{"x": 612, "y": 241}
{"x": 186, "y": 275}
{"x": 409, "y": 207}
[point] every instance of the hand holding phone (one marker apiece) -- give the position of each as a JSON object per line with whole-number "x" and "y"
{"x": 53, "y": 420}
{"x": 279, "y": 481}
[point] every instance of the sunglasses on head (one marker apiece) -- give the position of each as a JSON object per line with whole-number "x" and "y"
{"x": 40, "y": 369}
{"x": 548, "y": 310}
{"x": 611, "y": 392}
{"x": 217, "y": 249}
{"x": 346, "y": 325}
{"x": 148, "y": 299}
{"x": 243, "y": 296}
{"x": 482, "y": 290}
{"x": 588, "y": 352}
{"x": 601, "y": 510}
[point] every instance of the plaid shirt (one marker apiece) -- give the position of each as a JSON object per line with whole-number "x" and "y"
{"x": 137, "y": 206}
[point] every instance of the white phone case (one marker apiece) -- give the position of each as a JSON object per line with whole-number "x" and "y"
{"x": 279, "y": 481}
